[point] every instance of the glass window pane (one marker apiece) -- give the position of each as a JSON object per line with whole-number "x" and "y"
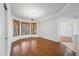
{"x": 25, "y": 28}
{"x": 16, "y": 27}
{"x": 33, "y": 28}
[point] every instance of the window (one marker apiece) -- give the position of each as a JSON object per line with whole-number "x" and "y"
{"x": 25, "y": 28}
{"x": 16, "y": 28}
{"x": 33, "y": 28}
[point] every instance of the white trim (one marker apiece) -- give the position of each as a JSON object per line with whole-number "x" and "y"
{"x": 49, "y": 38}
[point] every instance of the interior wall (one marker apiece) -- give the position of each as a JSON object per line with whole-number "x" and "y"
{"x": 76, "y": 37}
{"x": 2, "y": 30}
{"x": 9, "y": 30}
{"x": 72, "y": 23}
{"x": 62, "y": 25}
{"x": 48, "y": 29}
{"x": 66, "y": 29}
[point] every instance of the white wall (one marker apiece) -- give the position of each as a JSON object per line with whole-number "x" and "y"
{"x": 67, "y": 23}
{"x": 2, "y": 30}
{"x": 66, "y": 29}
{"x": 77, "y": 24}
{"x": 9, "y": 27}
{"x": 5, "y": 43}
{"x": 48, "y": 29}
{"x": 76, "y": 37}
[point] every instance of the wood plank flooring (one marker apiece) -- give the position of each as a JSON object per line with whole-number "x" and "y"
{"x": 37, "y": 47}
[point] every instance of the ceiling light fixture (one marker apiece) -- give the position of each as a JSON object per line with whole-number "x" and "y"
{"x": 33, "y": 15}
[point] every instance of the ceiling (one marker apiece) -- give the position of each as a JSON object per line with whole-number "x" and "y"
{"x": 43, "y": 10}
{"x": 38, "y": 10}
{"x": 72, "y": 10}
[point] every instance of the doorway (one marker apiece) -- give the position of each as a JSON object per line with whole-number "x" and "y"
{"x": 66, "y": 32}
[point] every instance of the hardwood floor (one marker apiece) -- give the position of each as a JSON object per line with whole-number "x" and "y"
{"x": 37, "y": 47}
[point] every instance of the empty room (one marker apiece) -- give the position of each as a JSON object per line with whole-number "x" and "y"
{"x": 39, "y": 29}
